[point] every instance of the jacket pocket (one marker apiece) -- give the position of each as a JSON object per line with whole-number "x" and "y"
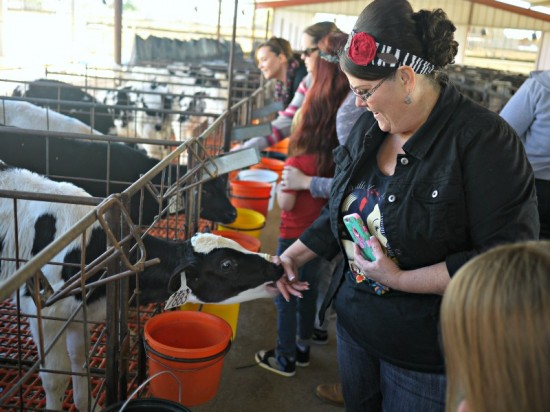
{"x": 440, "y": 209}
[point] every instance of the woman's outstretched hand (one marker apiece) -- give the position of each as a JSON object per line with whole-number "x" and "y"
{"x": 289, "y": 284}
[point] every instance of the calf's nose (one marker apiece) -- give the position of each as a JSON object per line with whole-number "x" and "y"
{"x": 230, "y": 216}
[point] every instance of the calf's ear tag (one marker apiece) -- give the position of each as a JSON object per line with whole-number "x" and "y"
{"x": 179, "y": 297}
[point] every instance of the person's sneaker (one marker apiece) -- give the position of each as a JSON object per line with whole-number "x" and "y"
{"x": 331, "y": 393}
{"x": 302, "y": 356}
{"x": 319, "y": 337}
{"x": 266, "y": 359}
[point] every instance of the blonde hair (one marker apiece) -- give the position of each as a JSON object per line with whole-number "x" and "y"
{"x": 495, "y": 322}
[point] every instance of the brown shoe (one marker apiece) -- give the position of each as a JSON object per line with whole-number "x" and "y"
{"x": 331, "y": 393}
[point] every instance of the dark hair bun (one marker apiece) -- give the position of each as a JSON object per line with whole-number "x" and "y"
{"x": 436, "y": 33}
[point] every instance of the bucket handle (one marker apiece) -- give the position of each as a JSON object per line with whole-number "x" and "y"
{"x": 239, "y": 229}
{"x": 196, "y": 360}
{"x": 251, "y": 198}
{"x": 149, "y": 379}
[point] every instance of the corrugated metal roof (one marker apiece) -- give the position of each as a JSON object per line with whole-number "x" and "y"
{"x": 491, "y": 3}
{"x": 288, "y": 3}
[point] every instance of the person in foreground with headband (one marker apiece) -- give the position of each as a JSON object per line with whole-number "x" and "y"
{"x": 436, "y": 179}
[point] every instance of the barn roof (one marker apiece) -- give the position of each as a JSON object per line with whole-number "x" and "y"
{"x": 507, "y": 5}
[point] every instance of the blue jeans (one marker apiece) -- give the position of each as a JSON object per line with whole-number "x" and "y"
{"x": 371, "y": 384}
{"x": 295, "y": 319}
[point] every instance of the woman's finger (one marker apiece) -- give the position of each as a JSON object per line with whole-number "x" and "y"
{"x": 376, "y": 247}
{"x": 287, "y": 288}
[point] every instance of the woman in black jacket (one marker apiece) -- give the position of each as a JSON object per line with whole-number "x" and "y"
{"x": 436, "y": 179}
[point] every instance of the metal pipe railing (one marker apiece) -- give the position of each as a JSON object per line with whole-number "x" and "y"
{"x": 204, "y": 165}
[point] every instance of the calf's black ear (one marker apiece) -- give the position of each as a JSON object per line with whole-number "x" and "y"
{"x": 174, "y": 284}
{"x": 180, "y": 268}
{"x": 175, "y": 278}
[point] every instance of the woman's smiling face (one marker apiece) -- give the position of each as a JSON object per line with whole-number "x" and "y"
{"x": 381, "y": 102}
{"x": 271, "y": 65}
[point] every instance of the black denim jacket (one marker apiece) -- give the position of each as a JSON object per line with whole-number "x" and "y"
{"x": 463, "y": 185}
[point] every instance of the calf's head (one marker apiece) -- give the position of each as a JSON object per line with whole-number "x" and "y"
{"x": 121, "y": 97}
{"x": 154, "y": 100}
{"x": 215, "y": 203}
{"x": 222, "y": 271}
{"x": 195, "y": 104}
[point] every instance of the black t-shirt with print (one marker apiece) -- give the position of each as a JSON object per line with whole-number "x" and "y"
{"x": 364, "y": 198}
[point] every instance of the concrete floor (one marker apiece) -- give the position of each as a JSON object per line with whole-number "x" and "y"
{"x": 246, "y": 387}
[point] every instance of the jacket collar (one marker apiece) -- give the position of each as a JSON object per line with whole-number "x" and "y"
{"x": 421, "y": 142}
{"x": 445, "y": 108}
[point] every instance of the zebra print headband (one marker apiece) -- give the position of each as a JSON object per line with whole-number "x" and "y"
{"x": 363, "y": 50}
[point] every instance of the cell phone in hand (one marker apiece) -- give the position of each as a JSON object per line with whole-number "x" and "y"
{"x": 359, "y": 234}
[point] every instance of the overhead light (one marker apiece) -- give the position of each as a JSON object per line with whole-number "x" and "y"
{"x": 541, "y": 9}
{"x": 517, "y": 3}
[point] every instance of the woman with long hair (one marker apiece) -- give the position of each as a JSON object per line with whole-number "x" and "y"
{"x": 310, "y": 150}
{"x": 281, "y": 126}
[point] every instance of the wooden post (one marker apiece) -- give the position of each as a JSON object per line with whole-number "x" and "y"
{"x": 118, "y": 31}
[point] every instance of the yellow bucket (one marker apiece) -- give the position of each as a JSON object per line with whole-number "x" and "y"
{"x": 229, "y": 313}
{"x": 248, "y": 221}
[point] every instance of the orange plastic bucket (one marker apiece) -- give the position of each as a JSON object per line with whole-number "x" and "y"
{"x": 270, "y": 164}
{"x": 280, "y": 147}
{"x": 191, "y": 345}
{"x": 233, "y": 175}
{"x": 251, "y": 195}
{"x": 262, "y": 175}
{"x": 228, "y": 312}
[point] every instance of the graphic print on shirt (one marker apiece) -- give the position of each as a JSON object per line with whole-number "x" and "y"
{"x": 365, "y": 201}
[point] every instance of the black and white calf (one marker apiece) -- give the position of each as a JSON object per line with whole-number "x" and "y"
{"x": 217, "y": 270}
{"x": 136, "y": 113}
{"x": 153, "y": 122}
{"x": 93, "y": 113}
{"x": 187, "y": 93}
{"x": 87, "y": 163}
{"x": 125, "y": 114}
{"x": 30, "y": 116}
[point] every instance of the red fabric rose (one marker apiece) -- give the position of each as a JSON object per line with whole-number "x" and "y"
{"x": 362, "y": 49}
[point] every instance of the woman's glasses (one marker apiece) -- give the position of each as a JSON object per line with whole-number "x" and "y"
{"x": 365, "y": 95}
{"x": 309, "y": 51}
